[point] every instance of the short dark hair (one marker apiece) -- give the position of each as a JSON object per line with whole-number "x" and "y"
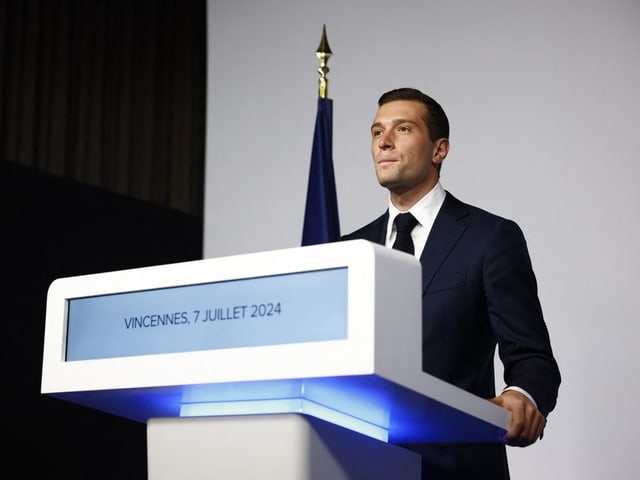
{"x": 436, "y": 120}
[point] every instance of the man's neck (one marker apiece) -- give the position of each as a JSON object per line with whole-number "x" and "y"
{"x": 404, "y": 200}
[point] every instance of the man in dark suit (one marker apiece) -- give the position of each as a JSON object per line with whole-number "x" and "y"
{"x": 479, "y": 289}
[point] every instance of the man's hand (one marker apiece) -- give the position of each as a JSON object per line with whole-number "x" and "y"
{"x": 527, "y": 422}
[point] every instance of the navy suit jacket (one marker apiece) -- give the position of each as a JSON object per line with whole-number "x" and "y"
{"x": 479, "y": 291}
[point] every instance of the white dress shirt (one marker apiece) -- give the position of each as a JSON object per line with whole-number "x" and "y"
{"x": 425, "y": 211}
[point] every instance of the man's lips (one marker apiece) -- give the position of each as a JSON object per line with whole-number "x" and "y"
{"x": 385, "y": 160}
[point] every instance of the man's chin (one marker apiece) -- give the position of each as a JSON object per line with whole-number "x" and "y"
{"x": 389, "y": 183}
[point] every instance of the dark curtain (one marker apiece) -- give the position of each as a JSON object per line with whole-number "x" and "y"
{"x": 110, "y": 93}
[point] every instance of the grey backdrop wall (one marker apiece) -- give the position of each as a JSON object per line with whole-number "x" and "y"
{"x": 543, "y": 100}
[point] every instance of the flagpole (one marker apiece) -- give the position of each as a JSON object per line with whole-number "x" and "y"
{"x": 323, "y": 53}
{"x": 321, "y": 222}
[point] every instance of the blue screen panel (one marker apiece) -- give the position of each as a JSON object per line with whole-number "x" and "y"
{"x": 279, "y": 309}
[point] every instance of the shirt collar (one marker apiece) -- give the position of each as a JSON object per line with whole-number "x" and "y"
{"x": 425, "y": 209}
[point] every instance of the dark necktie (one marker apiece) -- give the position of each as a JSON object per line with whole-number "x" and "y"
{"x": 404, "y": 224}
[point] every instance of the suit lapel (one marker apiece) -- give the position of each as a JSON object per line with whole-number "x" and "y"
{"x": 445, "y": 233}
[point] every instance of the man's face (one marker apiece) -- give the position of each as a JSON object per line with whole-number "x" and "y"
{"x": 405, "y": 158}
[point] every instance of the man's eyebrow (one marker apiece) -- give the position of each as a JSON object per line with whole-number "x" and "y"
{"x": 395, "y": 122}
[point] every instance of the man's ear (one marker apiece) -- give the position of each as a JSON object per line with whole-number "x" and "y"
{"x": 440, "y": 151}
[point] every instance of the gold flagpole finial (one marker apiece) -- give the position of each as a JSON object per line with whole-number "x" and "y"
{"x": 323, "y": 53}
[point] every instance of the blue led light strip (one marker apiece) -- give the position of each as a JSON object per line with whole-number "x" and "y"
{"x": 285, "y": 405}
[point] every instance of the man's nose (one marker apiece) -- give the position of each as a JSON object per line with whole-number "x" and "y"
{"x": 385, "y": 141}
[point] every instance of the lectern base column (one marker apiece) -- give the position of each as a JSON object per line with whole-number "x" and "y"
{"x": 278, "y": 446}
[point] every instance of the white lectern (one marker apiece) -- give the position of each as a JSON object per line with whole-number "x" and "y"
{"x": 300, "y": 363}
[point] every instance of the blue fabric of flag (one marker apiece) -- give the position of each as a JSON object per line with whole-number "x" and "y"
{"x": 321, "y": 222}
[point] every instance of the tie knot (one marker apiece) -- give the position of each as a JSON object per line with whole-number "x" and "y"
{"x": 405, "y": 222}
